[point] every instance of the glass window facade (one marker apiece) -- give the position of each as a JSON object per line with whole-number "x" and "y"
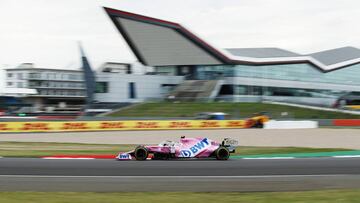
{"x": 215, "y": 72}
{"x": 294, "y": 72}
{"x": 101, "y": 87}
{"x": 279, "y": 91}
{"x": 45, "y": 75}
{"x": 132, "y": 90}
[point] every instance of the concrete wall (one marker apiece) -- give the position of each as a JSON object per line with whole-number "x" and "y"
{"x": 15, "y": 80}
{"x": 304, "y": 124}
{"x": 146, "y": 86}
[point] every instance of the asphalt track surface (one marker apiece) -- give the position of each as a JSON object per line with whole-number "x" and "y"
{"x": 31, "y": 174}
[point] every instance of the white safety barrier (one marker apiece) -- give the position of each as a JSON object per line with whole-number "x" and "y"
{"x": 273, "y": 124}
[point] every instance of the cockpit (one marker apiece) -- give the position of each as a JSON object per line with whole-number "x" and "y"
{"x": 169, "y": 143}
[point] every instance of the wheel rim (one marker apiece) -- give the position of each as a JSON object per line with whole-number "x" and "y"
{"x": 223, "y": 154}
{"x": 141, "y": 153}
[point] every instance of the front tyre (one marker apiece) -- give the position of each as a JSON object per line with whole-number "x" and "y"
{"x": 222, "y": 153}
{"x": 141, "y": 153}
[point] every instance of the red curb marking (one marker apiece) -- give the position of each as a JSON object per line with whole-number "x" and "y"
{"x": 99, "y": 156}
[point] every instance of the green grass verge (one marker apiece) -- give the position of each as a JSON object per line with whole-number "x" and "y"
{"x": 167, "y": 109}
{"x": 38, "y": 149}
{"x": 326, "y": 196}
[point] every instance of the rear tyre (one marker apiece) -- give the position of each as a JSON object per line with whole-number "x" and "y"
{"x": 141, "y": 153}
{"x": 222, "y": 153}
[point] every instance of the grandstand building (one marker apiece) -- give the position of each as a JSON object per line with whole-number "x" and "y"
{"x": 241, "y": 74}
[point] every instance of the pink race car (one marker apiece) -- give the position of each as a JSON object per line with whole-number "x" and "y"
{"x": 185, "y": 148}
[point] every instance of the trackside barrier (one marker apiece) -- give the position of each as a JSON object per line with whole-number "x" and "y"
{"x": 273, "y": 124}
{"x": 346, "y": 122}
{"x": 60, "y": 126}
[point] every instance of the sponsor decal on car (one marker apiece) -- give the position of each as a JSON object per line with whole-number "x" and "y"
{"x": 196, "y": 149}
{"x": 124, "y": 156}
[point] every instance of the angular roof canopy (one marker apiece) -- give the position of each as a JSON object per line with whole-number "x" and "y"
{"x": 334, "y": 56}
{"x": 262, "y": 52}
{"x": 158, "y": 42}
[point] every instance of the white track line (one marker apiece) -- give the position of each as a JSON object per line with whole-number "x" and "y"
{"x": 20, "y": 118}
{"x": 347, "y": 156}
{"x": 85, "y": 158}
{"x": 66, "y": 158}
{"x": 249, "y": 158}
{"x": 271, "y": 158}
{"x": 179, "y": 177}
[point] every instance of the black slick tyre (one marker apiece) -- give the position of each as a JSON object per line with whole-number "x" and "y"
{"x": 222, "y": 153}
{"x": 141, "y": 153}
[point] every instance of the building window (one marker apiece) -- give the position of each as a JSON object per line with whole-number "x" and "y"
{"x": 226, "y": 90}
{"x": 132, "y": 90}
{"x": 45, "y": 84}
{"x": 20, "y": 84}
{"x": 20, "y": 76}
{"x": 9, "y": 75}
{"x": 9, "y": 84}
{"x": 34, "y": 75}
{"x": 74, "y": 77}
{"x": 101, "y": 87}
{"x": 34, "y": 84}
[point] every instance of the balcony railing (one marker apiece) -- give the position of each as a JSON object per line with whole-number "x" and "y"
{"x": 61, "y": 88}
{"x": 32, "y": 77}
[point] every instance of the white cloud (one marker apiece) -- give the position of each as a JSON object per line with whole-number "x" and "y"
{"x": 45, "y": 32}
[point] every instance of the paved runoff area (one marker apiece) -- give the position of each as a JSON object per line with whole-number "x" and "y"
{"x": 316, "y": 138}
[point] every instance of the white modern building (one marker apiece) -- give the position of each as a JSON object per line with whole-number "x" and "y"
{"x": 240, "y": 74}
{"x": 116, "y": 82}
{"x": 52, "y": 87}
{"x": 180, "y": 65}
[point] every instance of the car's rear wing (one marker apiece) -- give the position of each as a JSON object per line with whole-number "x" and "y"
{"x": 231, "y": 144}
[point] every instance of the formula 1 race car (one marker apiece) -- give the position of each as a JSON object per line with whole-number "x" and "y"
{"x": 185, "y": 148}
{"x": 257, "y": 120}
